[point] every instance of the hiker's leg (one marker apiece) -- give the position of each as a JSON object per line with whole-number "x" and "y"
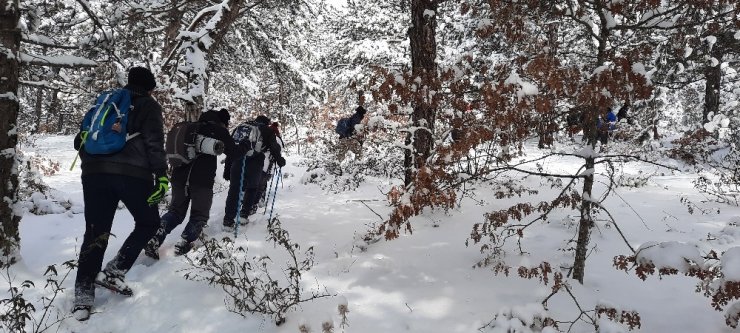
{"x": 101, "y": 203}
{"x": 341, "y": 149}
{"x": 177, "y": 209}
{"x": 199, "y": 212}
{"x": 235, "y": 185}
{"x": 134, "y": 192}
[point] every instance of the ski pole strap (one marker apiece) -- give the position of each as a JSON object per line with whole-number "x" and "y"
{"x": 83, "y": 137}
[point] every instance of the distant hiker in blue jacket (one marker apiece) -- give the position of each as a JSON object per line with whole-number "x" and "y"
{"x": 606, "y": 124}
{"x": 126, "y": 175}
{"x": 349, "y": 140}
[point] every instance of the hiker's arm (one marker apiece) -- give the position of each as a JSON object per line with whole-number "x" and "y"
{"x": 152, "y": 130}
{"x": 222, "y": 134}
{"x": 269, "y": 139}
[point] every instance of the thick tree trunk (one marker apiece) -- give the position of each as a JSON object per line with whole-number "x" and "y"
{"x": 422, "y": 37}
{"x": 10, "y": 39}
{"x": 713, "y": 75}
{"x": 197, "y": 83}
{"x": 174, "y": 19}
{"x": 38, "y": 108}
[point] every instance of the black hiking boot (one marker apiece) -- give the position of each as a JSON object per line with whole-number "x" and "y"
{"x": 81, "y": 312}
{"x": 229, "y": 225}
{"x": 113, "y": 282}
{"x": 151, "y": 249}
{"x": 183, "y": 247}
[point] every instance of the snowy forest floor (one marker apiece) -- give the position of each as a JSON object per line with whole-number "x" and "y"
{"x": 421, "y": 282}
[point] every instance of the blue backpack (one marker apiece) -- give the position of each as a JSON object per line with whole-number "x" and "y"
{"x": 105, "y": 123}
{"x": 343, "y": 128}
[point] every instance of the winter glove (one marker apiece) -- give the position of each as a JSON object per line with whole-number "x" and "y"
{"x": 280, "y": 161}
{"x": 160, "y": 189}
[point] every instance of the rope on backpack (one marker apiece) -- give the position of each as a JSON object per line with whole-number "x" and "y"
{"x": 241, "y": 196}
{"x": 274, "y": 195}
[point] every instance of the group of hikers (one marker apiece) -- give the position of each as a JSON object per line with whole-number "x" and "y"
{"x": 122, "y": 148}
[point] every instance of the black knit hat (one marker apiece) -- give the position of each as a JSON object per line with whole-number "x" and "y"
{"x": 224, "y": 116}
{"x": 262, "y": 119}
{"x": 141, "y": 77}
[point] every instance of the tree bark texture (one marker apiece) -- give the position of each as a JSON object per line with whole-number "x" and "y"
{"x": 38, "y": 109}
{"x": 422, "y": 38}
{"x": 10, "y": 39}
{"x": 713, "y": 75}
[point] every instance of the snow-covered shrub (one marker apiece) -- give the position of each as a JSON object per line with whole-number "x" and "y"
{"x": 718, "y": 275}
{"x": 18, "y": 314}
{"x": 251, "y": 283}
{"x": 529, "y": 318}
{"x": 639, "y": 180}
{"x": 36, "y": 196}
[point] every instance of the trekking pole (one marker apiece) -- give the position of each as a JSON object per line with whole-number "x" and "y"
{"x": 267, "y": 200}
{"x": 241, "y": 197}
{"x": 274, "y": 195}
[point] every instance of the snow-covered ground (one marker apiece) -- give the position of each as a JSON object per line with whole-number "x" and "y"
{"x": 418, "y": 283}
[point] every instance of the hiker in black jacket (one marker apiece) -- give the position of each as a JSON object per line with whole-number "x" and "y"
{"x": 193, "y": 183}
{"x": 249, "y": 170}
{"x": 127, "y": 176}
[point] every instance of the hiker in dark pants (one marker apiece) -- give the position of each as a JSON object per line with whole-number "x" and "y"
{"x": 268, "y": 171}
{"x": 128, "y": 176}
{"x": 248, "y": 169}
{"x": 193, "y": 183}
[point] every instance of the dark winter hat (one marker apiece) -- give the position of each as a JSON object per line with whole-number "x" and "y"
{"x": 262, "y": 120}
{"x": 224, "y": 116}
{"x": 141, "y": 77}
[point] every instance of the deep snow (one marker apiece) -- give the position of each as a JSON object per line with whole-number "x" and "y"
{"x": 418, "y": 283}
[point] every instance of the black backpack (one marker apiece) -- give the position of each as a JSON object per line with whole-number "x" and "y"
{"x": 180, "y": 145}
{"x": 249, "y": 135}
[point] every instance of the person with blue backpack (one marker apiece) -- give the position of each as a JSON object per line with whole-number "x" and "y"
{"x": 348, "y": 138}
{"x": 121, "y": 146}
{"x": 606, "y": 123}
{"x": 192, "y": 182}
{"x": 244, "y": 172}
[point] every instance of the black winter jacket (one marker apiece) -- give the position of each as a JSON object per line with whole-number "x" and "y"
{"x": 143, "y": 156}
{"x": 201, "y": 172}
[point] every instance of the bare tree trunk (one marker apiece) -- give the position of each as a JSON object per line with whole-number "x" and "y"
{"x": 38, "y": 107}
{"x": 54, "y": 109}
{"x": 10, "y": 40}
{"x": 174, "y": 19}
{"x": 592, "y": 137}
{"x": 713, "y": 75}
{"x": 422, "y": 37}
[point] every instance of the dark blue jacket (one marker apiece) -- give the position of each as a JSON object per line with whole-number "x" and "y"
{"x": 354, "y": 120}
